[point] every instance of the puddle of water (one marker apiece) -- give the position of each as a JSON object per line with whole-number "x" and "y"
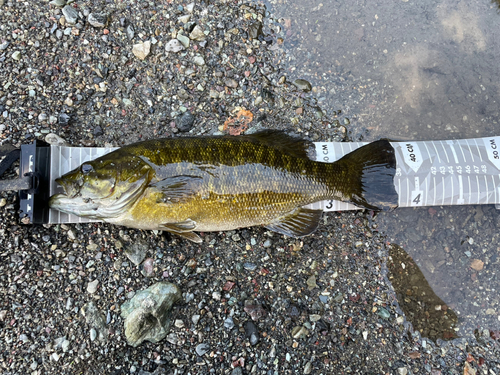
{"x": 428, "y": 313}
{"x": 401, "y": 70}
{"x": 409, "y": 70}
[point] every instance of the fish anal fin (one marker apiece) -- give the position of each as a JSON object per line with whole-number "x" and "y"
{"x": 177, "y": 188}
{"x": 286, "y": 143}
{"x": 298, "y": 223}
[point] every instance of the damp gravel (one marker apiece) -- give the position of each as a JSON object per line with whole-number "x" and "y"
{"x": 102, "y": 73}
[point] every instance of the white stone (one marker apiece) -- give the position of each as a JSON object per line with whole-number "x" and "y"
{"x": 197, "y": 34}
{"x": 141, "y": 50}
{"x": 174, "y": 46}
{"x": 92, "y": 287}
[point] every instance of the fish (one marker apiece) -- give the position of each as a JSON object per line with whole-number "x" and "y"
{"x": 186, "y": 185}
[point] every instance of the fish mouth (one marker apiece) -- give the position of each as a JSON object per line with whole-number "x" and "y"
{"x": 74, "y": 205}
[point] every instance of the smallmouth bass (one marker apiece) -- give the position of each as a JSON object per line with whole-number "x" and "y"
{"x": 219, "y": 183}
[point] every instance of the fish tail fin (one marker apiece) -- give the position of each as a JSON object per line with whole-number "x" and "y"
{"x": 369, "y": 171}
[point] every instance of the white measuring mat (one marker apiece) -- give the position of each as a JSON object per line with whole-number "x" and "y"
{"x": 433, "y": 173}
{"x": 428, "y": 173}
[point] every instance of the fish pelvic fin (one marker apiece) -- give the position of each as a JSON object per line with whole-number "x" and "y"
{"x": 370, "y": 172}
{"x": 183, "y": 229}
{"x": 300, "y": 222}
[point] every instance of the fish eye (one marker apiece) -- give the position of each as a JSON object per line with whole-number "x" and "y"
{"x": 86, "y": 168}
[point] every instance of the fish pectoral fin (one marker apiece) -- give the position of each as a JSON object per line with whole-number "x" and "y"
{"x": 184, "y": 229}
{"x": 298, "y": 223}
{"x": 178, "y": 188}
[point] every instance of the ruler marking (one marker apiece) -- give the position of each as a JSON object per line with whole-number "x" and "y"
{"x": 428, "y": 152}
{"x": 453, "y": 151}
{"x": 408, "y": 194}
{"x": 452, "y": 186}
{"x": 478, "y": 192}
{"x": 461, "y": 148}
{"x": 460, "y": 190}
{"x": 445, "y": 153}
{"x": 435, "y": 148}
{"x": 442, "y": 182}
{"x": 399, "y": 192}
{"x": 434, "y": 201}
{"x": 470, "y": 190}
{"x": 494, "y": 188}
{"x": 487, "y": 190}
{"x": 427, "y": 190}
{"x": 470, "y": 150}
{"x": 478, "y": 150}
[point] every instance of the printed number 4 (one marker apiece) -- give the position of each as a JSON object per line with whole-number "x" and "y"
{"x": 416, "y": 198}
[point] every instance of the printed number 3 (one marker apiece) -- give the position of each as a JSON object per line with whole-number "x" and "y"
{"x": 329, "y": 205}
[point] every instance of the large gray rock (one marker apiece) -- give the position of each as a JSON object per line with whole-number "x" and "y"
{"x": 147, "y": 314}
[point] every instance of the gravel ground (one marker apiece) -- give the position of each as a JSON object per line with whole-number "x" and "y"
{"x": 253, "y": 301}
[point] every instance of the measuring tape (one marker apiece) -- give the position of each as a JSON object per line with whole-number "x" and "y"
{"x": 432, "y": 173}
{"x": 428, "y": 173}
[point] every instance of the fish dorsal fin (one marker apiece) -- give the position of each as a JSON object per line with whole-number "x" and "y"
{"x": 286, "y": 143}
{"x": 177, "y": 188}
{"x": 184, "y": 229}
{"x": 300, "y": 222}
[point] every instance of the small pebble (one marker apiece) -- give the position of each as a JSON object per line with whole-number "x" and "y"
{"x": 141, "y": 50}
{"x": 174, "y": 46}
{"x": 199, "y": 60}
{"x": 249, "y": 266}
{"x": 251, "y": 332}
{"x": 229, "y": 323}
{"x": 148, "y": 267}
{"x": 184, "y": 40}
{"x": 70, "y": 14}
{"x": 383, "y": 313}
{"x": 97, "y": 20}
{"x": 185, "y": 122}
{"x": 92, "y": 286}
{"x": 308, "y": 368}
{"x": 202, "y": 349}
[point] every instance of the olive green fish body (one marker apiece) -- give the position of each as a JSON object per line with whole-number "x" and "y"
{"x": 221, "y": 183}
